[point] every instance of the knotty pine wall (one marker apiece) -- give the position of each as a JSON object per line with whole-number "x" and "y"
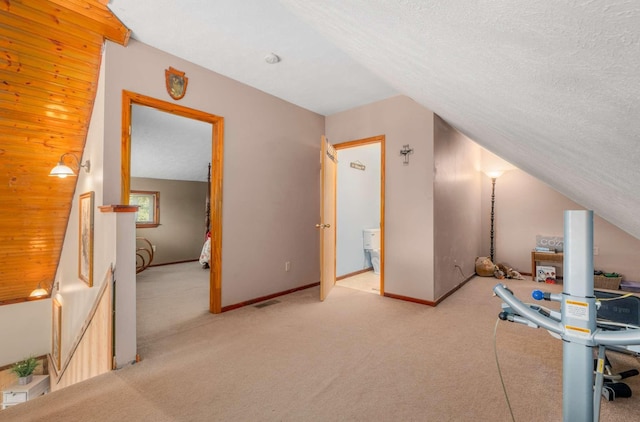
{"x": 50, "y": 54}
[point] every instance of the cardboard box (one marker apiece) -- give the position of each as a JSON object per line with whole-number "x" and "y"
{"x": 545, "y": 273}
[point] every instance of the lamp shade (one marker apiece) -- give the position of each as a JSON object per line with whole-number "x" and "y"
{"x": 39, "y": 292}
{"x": 494, "y": 174}
{"x": 61, "y": 171}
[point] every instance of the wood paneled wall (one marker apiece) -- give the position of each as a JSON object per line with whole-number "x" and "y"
{"x": 50, "y": 54}
{"x": 92, "y": 352}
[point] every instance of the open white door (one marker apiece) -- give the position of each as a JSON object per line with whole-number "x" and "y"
{"x": 327, "y": 224}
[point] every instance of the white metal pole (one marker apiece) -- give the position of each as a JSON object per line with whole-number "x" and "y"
{"x": 578, "y": 317}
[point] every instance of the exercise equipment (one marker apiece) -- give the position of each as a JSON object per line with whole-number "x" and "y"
{"x": 577, "y": 325}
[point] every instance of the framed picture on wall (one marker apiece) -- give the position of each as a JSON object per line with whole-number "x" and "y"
{"x": 56, "y": 333}
{"x": 85, "y": 235}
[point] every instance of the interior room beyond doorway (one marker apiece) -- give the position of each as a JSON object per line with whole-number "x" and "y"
{"x": 359, "y": 214}
{"x": 367, "y": 282}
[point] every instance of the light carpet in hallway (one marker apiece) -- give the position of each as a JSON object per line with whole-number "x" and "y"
{"x": 354, "y": 357}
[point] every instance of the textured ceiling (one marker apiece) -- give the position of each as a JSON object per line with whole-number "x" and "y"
{"x": 552, "y": 87}
{"x": 233, "y": 38}
{"x": 168, "y": 146}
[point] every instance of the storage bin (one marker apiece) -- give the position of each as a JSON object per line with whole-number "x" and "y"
{"x": 608, "y": 283}
{"x": 630, "y": 286}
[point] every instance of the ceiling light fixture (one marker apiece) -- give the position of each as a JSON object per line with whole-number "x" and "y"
{"x": 61, "y": 170}
{"x": 272, "y": 58}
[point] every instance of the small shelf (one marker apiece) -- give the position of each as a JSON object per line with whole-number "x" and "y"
{"x": 17, "y": 393}
{"x": 544, "y": 257}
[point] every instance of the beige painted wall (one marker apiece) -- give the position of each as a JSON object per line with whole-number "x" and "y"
{"x": 180, "y": 235}
{"x": 25, "y": 331}
{"x": 457, "y": 202}
{"x": 526, "y": 207}
{"x": 271, "y": 170}
{"x": 408, "y": 236}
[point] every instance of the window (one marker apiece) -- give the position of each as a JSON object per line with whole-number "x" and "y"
{"x": 148, "y": 214}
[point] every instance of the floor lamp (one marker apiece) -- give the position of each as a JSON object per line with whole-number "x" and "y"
{"x": 493, "y": 175}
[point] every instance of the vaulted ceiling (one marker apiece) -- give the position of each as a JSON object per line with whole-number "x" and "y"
{"x": 50, "y": 53}
{"x": 550, "y": 86}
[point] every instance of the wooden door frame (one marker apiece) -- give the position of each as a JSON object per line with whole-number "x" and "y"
{"x": 380, "y": 139}
{"x": 131, "y": 98}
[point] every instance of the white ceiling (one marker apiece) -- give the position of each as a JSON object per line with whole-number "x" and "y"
{"x": 551, "y": 86}
{"x": 168, "y": 146}
{"x": 233, "y": 37}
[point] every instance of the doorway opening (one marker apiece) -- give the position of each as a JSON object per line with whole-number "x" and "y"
{"x": 129, "y": 99}
{"x": 360, "y": 214}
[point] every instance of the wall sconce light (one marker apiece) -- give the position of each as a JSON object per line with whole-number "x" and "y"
{"x": 406, "y": 151}
{"x": 61, "y": 170}
{"x": 39, "y": 292}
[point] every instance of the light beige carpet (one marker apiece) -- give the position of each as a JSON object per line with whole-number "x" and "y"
{"x": 354, "y": 357}
{"x": 168, "y": 297}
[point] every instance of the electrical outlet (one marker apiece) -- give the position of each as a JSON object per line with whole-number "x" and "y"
{"x": 287, "y": 266}
{"x": 596, "y": 250}
{"x": 153, "y": 247}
